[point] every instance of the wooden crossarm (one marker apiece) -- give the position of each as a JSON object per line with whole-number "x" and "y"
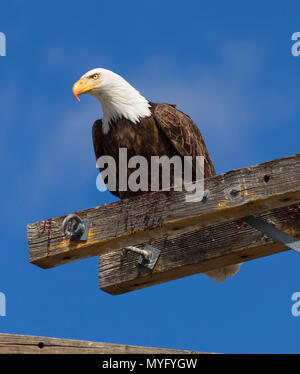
{"x": 233, "y": 195}
{"x": 197, "y": 251}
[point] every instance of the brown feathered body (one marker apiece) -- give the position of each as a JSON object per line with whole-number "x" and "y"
{"x": 167, "y": 132}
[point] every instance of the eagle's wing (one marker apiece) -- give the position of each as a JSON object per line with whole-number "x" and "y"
{"x": 99, "y": 148}
{"x": 97, "y": 138}
{"x": 187, "y": 140}
{"x": 183, "y": 134}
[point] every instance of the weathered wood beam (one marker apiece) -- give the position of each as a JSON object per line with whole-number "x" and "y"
{"x": 25, "y": 344}
{"x": 233, "y": 195}
{"x": 196, "y": 252}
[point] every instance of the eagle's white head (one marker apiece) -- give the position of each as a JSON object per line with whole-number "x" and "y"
{"x": 118, "y": 98}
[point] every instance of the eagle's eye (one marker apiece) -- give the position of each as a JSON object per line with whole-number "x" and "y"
{"x": 95, "y": 76}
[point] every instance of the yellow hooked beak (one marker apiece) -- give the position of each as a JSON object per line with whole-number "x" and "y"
{"x": 83, "y": 86}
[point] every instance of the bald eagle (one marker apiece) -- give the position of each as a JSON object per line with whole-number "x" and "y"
{"x": 144, "y": 128}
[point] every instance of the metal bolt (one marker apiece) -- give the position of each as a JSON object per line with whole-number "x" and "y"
{"x": 143, "y": 252}
{"x": 149, "y": 255}
{"x": 79, "y": 227}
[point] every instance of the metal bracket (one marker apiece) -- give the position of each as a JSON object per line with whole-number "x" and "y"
{"x": 80, "y": 228}
{"x": 273, "y": 232}
{"x": 148, "y": 256}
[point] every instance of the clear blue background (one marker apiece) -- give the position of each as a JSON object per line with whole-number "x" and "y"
{"x": 228, "y": 65}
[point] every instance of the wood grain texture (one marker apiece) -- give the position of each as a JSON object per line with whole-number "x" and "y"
{"x": 133, "y": 221}
{"x": 196, "y": 251}
{"x": 11, "y": 344}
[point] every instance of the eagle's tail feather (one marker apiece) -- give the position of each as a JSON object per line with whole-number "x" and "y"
{"x": 219, "y": 275}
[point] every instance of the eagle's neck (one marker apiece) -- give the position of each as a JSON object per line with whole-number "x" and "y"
{"x": 122, "y": 100}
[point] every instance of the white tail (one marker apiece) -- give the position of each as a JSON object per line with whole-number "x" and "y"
{"x": 219, "y": 275}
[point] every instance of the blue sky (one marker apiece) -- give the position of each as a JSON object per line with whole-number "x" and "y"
{"x": 229, "y": 66}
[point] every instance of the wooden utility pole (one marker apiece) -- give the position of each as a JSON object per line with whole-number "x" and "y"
{"x": 25, "y": 344}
